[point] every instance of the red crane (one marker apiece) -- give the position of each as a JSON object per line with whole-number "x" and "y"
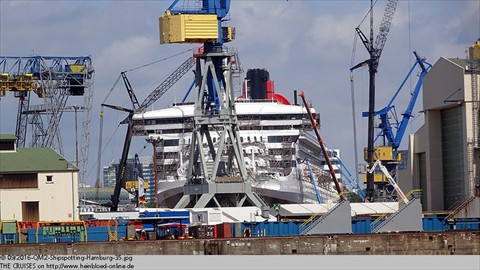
{"x": 322, "y": 145}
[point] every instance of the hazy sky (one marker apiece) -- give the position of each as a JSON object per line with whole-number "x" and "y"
{"x": 305, "y": 45}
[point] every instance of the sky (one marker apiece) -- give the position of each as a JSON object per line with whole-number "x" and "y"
{"x": 305, "y": 45}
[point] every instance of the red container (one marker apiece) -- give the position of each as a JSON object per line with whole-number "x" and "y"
{"x": 27, "y": 225}
{"x": 224, "y": 230}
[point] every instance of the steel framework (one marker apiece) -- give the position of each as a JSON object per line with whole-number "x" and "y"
{"x": 54, "y": 79}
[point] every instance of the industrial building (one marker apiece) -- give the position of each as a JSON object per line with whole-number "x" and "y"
{"x": 36, "y": 184}
{"x": 146, "y": 171}
{"x": 444, "y": 156}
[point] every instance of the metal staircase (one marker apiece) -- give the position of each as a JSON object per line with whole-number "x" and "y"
{"x": 462, "y": 206}
{"x": 336, "y": 220}
{"x": 408, "y": 217}
{"x": 473, "y": 144}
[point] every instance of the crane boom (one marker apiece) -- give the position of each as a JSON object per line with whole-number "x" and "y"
{"x": 385, "y": 26}
{"x": 130, "y": 91}
{"x": 167, "y": 83}
{"x": 312, "y": 177}
{"x": 350, "y": 180}
{"x": 390, "y": 180}
{"x": 154, "y": 96}
{"x": 120, "y": 181}
{"x": 322, "y": 145}
{"x": 374, "y": 50}
{"x": 394, "y": 140}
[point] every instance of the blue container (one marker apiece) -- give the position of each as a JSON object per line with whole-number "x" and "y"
{"x": 433, "y": 224}
{"x": 260, "y": 229}
{"x": 9, "y": 238}
{"x": 31, "y": 238}
{"x": 361, "y": 226}
{"x": 467, "y": 223}
{"x": 165, "y": 214}
{"x": 100, "y": 234}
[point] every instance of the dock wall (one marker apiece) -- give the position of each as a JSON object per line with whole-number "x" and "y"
{"x": 444, "y": 243}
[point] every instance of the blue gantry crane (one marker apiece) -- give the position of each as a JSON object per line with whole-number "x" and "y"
{"x": 202, "y": 21}
{"x": 387, "y": 155}
{"x": 55, "y": 79}
{"x": 387, "y": 114}
{"x": 392, "y": 128}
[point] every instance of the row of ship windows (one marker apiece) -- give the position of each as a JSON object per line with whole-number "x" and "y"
{"x": 272, "y": 163}
{"x": 271, "y": 151}
{"x": 271, "y": 139}
{"x": 246, "y": 127}
{"x": 239, "y": 117}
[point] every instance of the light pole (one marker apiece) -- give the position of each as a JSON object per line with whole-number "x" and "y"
{"x": 75, "y": 109}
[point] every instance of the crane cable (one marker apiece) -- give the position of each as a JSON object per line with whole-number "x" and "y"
{"x": 352, "y": 93}
{"x": 371, "y": 10}
{"x": 158, "y": 61}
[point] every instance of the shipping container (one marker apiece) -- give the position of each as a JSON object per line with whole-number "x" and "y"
{"x": 433, "y": 224}
{"x": 224, "y": 230}
{"x": 361, "y": 226}
{"x": 203, "y": 231}
{"x": 262, "y": 229}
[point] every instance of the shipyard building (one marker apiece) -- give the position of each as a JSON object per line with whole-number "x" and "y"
{"x": 444, "y": 156}
{"x": 36, "y": 184}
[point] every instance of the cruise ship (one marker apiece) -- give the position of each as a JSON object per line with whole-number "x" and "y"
{"x": 276, "y": 136}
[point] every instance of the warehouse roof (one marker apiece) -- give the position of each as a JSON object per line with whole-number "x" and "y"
{"x": 33, "y": 160}
{"x": 288, "y": 210}
{"x": 8, "y": 137}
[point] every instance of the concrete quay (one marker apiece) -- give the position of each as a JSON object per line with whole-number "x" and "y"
{"x": 418, "y": 243}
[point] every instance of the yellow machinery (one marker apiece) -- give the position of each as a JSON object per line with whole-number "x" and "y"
{"x": 474, "y": 50}
{"x": 383, "y": 153}
{"x": 378, "y": 178}
{"x": 188, "y": 28}
{"x": 19, "y": 83}
{"x": 129, "y": 185}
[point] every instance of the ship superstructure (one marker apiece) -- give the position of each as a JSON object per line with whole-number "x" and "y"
{"x": 276, "y": 137}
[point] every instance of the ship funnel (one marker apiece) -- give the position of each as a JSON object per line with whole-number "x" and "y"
{"x": 257, "y": 81}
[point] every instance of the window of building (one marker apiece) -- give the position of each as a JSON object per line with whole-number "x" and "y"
{"x": 25, "y": 180}
{"x": 7, "y": 146}
{"x": 49, "y": 179}
{"x": 170, "y": 142}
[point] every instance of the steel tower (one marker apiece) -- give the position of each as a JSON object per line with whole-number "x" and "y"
{"x": 54, "y": 80}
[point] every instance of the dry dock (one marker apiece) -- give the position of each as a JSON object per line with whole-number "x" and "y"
{"x": 439, "y": 243}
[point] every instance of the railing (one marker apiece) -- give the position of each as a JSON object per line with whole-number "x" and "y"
{"x": 313, "y": 220}
{"x": 382, "y": 219}
{"x": 459, "y": 207}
